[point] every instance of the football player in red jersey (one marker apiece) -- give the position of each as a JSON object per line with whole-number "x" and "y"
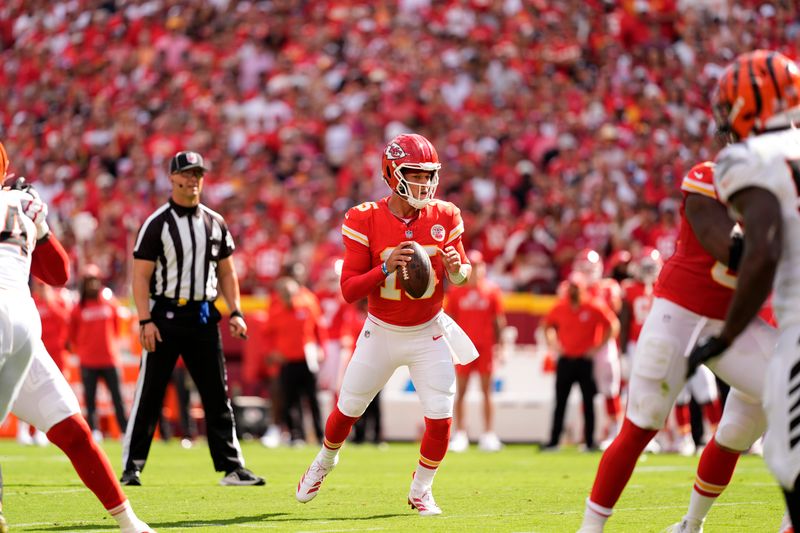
{"x": 692, "y": 294}
{"x": 31, "y": 385}
{"x": 399, "y": 329}
{"x": 607, "y": 372}
{"x": 474, "y": 306}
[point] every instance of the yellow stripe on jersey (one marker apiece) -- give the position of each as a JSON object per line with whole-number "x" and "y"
{"x": 356, "y": 236}
{"x": 455, "y": 233}
{"x": 699, "y": 187}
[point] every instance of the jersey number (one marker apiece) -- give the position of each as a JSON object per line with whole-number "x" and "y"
{"x": 14, "y": 232}
{"x": 390, "y": 289}
{"x": 722, "y": 275}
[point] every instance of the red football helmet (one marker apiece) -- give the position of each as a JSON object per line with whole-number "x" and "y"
{"x": 617, "y": 260}
{"x": 754, "y": 94}
{"x": 588, "y": 263}
{"x": 647, "y": 265}
{"x": 415, "y": 152}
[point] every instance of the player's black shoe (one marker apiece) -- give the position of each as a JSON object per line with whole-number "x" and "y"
{"x": 241, "y": 477}
{"x": 130, "y": 478}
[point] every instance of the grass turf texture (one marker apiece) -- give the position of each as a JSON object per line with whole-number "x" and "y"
{"x": 518, "y": 489}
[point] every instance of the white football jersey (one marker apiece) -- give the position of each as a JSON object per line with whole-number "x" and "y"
{"x": 771, "y": 161}
{"x": 17, "y": 240}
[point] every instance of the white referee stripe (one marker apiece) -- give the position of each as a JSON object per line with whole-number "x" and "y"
{"x": 126, "y": 443}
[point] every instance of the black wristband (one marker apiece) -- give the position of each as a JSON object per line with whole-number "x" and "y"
{"x": 236, "y": 313}
{"x": 145, "y": 321}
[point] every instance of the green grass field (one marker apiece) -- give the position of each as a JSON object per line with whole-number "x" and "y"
{"x": 518, "y": 489}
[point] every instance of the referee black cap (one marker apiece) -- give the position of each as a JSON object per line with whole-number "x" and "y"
{"x": 186, "y": 161}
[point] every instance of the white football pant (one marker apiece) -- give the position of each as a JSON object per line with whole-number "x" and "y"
{"x": 607, "y": 371}
{"x": 381, "y": 348}
{"x": 20, "y": 328}
{"x": 782, "y": 404}
{"x": 702, "y": 386}
{"x": 46, "y": 397}
{"x": 659, "y": 369}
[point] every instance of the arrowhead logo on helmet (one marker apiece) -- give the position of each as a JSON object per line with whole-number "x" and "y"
{"x": 394, "y": 151}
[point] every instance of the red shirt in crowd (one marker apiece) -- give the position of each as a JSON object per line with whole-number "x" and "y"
{"x": 581, "y": 328}
{"x": 639, "y": 296}
{"x": 93, "y": 331}
{"x": 55, "y": 315}
{"x": 475, "y": 309}
{"x": 289, "y": 329}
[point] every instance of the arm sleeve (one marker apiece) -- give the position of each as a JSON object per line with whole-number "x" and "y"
{"x": 738, "y": 167}
{"x": 228, "y": 246}
{"x": 50, "y": 262}
{"x": 358, "y": 279}
{"x": 148, "y": 242}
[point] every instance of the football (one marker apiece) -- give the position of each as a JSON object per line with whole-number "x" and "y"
{"x": 415, "y": 275}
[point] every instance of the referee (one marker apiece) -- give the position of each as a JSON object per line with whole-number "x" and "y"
{"x": 182, "y": 254}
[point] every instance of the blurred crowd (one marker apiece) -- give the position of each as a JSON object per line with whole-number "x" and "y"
{"x": 561, "y": 124}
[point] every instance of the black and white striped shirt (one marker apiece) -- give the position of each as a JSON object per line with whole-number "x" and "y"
{"x": 186, "y": 244}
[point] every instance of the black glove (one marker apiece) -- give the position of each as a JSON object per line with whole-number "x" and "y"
{"x": 735, "y": 251}
{"x": 708, "y": 349}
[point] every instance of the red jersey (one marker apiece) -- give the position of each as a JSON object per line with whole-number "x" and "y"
{"x": 691, "y": 277}
{"x": 579, "y": 329}
{"x": 334, "y": 312}
{"x": 370, "y": 233}
{"x": 288, "y": 330}
{"x": 607, "y": 290}
{"x": 475, "y": 309}
{"x": 54, "y": 312}
{"x": 639, "y": 296}
{"x": 93, "y": 333}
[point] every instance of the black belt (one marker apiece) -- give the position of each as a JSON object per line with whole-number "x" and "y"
{"x": 180, "y": 302}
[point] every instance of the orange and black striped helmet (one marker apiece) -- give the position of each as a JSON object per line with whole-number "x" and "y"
{"x": 753, "y": 89}
{"x": 3, "y": 162}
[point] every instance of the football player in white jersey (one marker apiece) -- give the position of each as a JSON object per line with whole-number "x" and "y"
{"x": 756, "y": 106}
{"x": 31, "y": 385}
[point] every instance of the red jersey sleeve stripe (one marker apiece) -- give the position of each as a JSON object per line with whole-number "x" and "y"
{"x": 356, "y": 236}
{"x": 455, "y": 233}
{"x": 690, "y": 185}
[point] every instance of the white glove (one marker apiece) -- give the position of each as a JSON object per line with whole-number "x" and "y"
{"x": 35, "y": 209}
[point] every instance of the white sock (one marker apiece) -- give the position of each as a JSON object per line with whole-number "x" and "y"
{"x": 124, "y": 515}
{"x": 699, "y": 506}
{"x": 595, "y": 516}
{"x": 423, "y": 477}
{"x": 326, "y": 455}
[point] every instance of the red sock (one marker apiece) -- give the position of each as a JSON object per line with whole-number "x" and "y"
{"x": 617, "y": 463}
{"x": 713, "y": 412}
{"x": 337, "y": 428}
{"x": 613, "y": 407}
{"x": 74, "y": 438}
{"x": 715, "y": 470}
{"x": 683, "y": 416}
{"x": 434, "y": 441}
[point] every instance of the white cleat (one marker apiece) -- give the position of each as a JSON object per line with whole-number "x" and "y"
{"x": 685, "y": 526}
{"x": 489, "y": 443}
{"x": 312, "y": 480}
{"x": 272, "y": 438}
{"x": 459, "y": 443}
{"x": 686, "y": 446}
{"x": 138, "y": 527}
{"x": 423, "y": 502}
